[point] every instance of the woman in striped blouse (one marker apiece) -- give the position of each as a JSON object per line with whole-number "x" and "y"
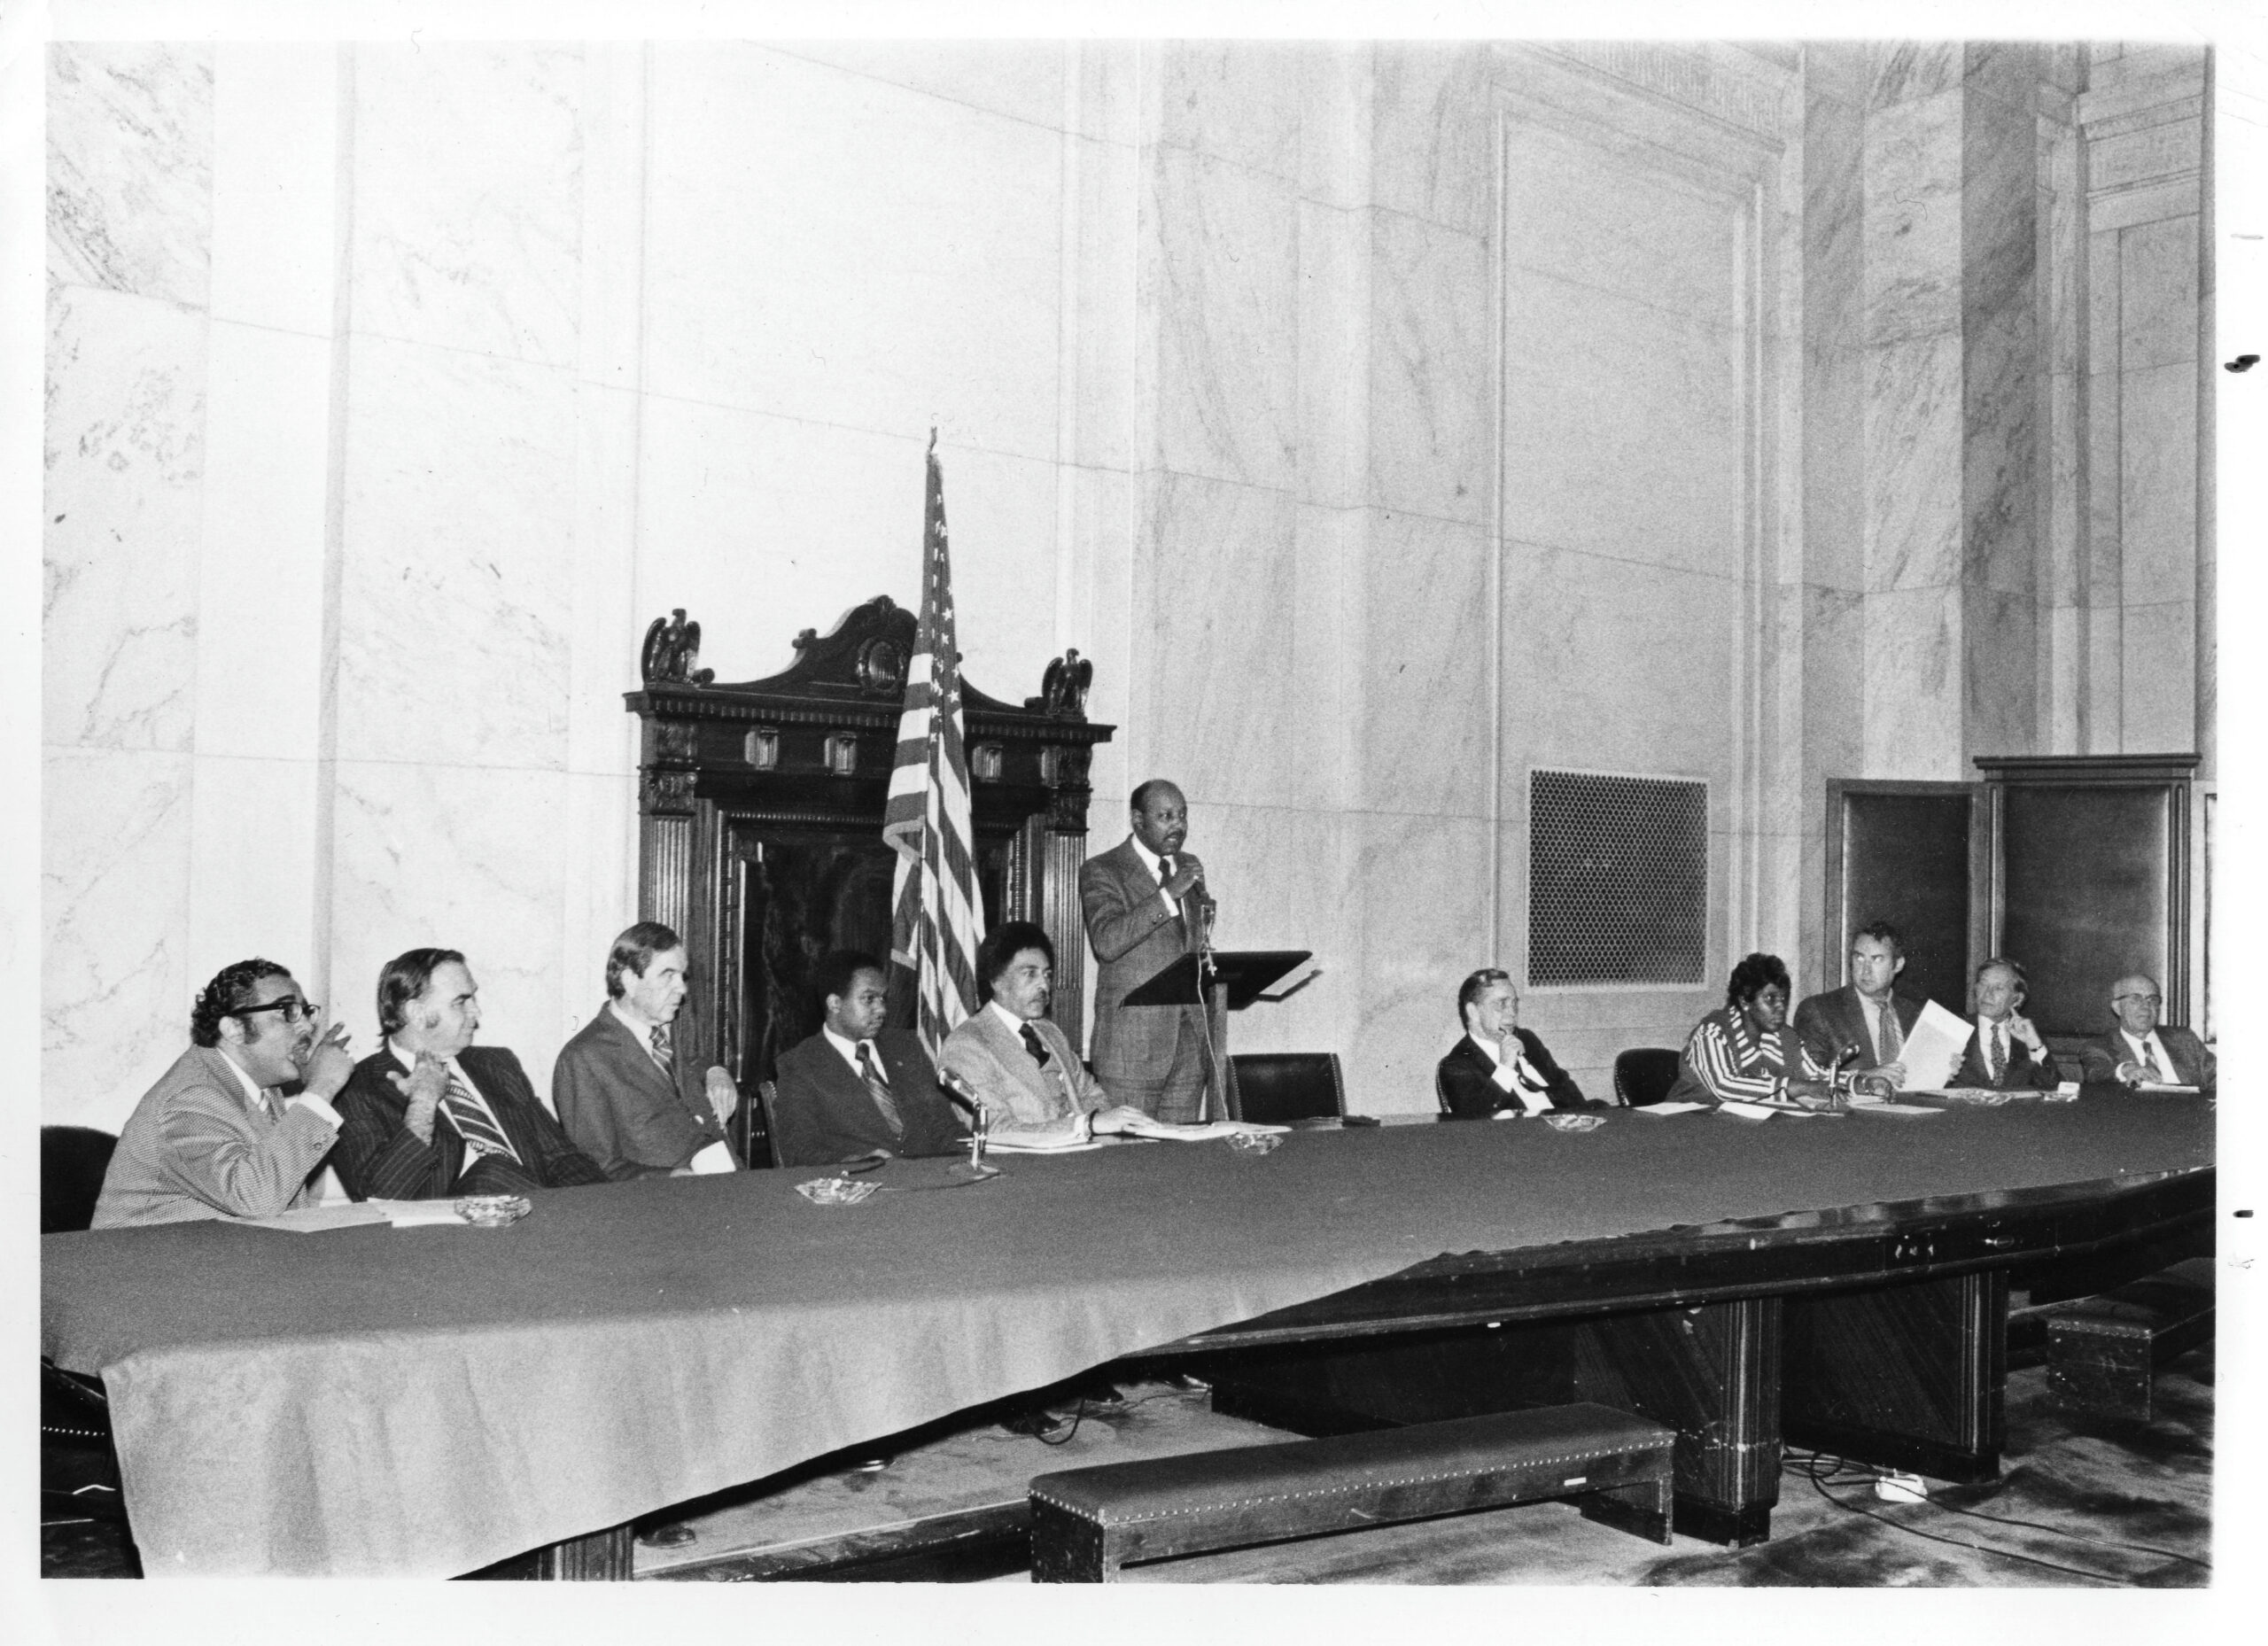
{"x": 1746, "y": 1054}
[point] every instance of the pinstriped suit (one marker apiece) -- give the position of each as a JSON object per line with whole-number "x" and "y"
{"x": 379, "y": 1157}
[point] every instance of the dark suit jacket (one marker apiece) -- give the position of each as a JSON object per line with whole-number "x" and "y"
{"x": 2193, "y": 1064}
{"x": 1829, "y": 1023}
{"x": 380, "y": 1158}
{"x": 1134, "y": 937}
{"x": 621, "y": 1111}
{"x": 2021, "y": 1074}
{"x": 1463, "y": 1080}
{"x": 822, "y": 1113}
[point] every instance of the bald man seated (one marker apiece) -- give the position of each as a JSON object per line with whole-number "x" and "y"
{"x": 2139, "y": 1052}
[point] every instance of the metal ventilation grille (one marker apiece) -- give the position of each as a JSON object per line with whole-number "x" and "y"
{"x": 1618, "y": 879}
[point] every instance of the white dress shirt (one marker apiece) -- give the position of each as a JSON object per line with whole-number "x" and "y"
{"x": 2150, "y": 1046}
{"x": 1516, "y": 1075}
{"x": 1156, "y": 865}
{"x": 408, "y": 1061}
{"x": 307, "y": 1100}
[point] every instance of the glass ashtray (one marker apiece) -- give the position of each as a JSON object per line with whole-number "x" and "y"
{"x": 1574, "y": 1123}
{"x": 835, "y": 1191}
{"x": 1253, "y": 1142}
{"x": 494, "y": 1211}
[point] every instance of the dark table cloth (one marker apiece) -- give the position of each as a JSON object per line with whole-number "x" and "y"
{"x": 428, "y": 1400}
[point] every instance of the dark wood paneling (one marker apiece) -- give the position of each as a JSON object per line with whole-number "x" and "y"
{"x": 2088, "y": 878}
{"x": 1911, "y": 854}
{"x": 1904, "y": 1377}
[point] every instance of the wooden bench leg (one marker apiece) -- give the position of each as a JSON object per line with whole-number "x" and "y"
{"x": 1643, "y": 1510}
{"x": 1066, "y": 1548}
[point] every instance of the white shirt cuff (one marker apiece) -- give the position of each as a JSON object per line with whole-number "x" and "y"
{"x": 715, "y": 1158}
{"x": 1172, "y": 907}
{"x": 1507, "y": 1075}
{"x": 316, "y": 1107}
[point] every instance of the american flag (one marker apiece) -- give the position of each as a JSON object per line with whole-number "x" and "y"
{"x": 940, "y": 916}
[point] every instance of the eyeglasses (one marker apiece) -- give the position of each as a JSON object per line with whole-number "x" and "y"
{"x": 2151, "y": 999}
{"x": 295, "y": 1010}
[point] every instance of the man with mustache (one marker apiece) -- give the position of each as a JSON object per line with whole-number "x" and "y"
{"x": 215, "y": 1137}
{"x": 1146, "y": 906}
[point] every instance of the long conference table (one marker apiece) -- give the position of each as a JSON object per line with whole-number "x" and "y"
{"x": 428, "y": 1401}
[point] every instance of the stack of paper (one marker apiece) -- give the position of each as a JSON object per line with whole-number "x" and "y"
{"x": 1933, "y": 1048}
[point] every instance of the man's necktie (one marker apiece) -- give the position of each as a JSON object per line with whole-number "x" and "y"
{"x": 1032, "y": 1044}
{"x": 1888, "y": 1037}
{"x": 878, "y": 1088}
{"x": 2151, "y": 1070}
{"x": 481, "y": 1134}
{"x": 660, "y": 1049}
{"x": 2000, "y": 1053}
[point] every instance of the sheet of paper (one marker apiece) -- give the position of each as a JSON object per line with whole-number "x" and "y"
{"x": 1748, "y": 1111}
{"x": 1893, "y": 1109}
{"x": 419, "y": 1213}
{"x": 317, "y": 1219}
{"x": 1174, "y": 1131}
{"x": 1933, "y": 1048}
{"x": 1669, "y": 1109}
{"x": 995, "y": 1146}
{"x": 2156, "y": 1085}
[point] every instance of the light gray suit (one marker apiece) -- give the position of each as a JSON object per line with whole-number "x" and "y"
{"x": 1012, "y": 1087}
{"x": 1150, "y": 1056}
{"x": 197, "y": 1146}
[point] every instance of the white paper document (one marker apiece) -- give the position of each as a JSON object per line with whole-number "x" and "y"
{"x": 356, "y": 1215}
{"x": 1932, "y": 1050}
{"x": 1669, "y": 1109}
{"x": 994, "y": 1146}
{"x": 1174, "y": 1131}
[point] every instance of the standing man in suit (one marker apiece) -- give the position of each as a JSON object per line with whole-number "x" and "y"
{"x": 1866, "y": 1012}
{"x": 1146, "y": 906}
{"x": 618, "y": 1085}
{"x": 2139, "y": 1051}
{"x": 2005, "y": 1053}
{"x": 429, "y": 1115}
{"x": 1500, "y": 1068}
{"x": 1011, "y": 1061}
{"x": 855, "y": 1088}
{"x": 215, "y": 1137}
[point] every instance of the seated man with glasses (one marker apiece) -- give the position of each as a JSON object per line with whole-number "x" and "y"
{"x": 2139, "y": 1052}
{"x": 429, "y": 1115}
{"x": 215, "y": 1137}
{"x": 1497, "y": 1067}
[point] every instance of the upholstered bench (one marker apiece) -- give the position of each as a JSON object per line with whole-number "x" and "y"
{"x": 1087, "y": 1523}
{"x": 2102, "y": 1350}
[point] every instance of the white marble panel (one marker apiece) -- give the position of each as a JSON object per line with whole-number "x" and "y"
{"x": 1023, "y": 79}
{"x": 2098, "y": 570}
{"x": 1101, "y": 623}
{"x": 2000, "y": 203}
{"x": 2066, "y": 638}
{"x": 125, "y": 466}
{"x": 1833, "y": 545}
{"x": 1424, "y": 666}
{"x": 457, "y": 857}
{"x": 2148, "y": 155}
{"x": 1834, "y": 222}
{"x": 454, "y": 589}
{"x": 1577, "y": 212}
{"x": 468, "y": 195}
{"x": 1433, "y": 148}
{"x": 857, "y": 254}
{"x": 1336, "y": 315}
{"x": 761, "y": 527}
{"x": 115, "y": 986}
{"x": 1219, "y": 264}
{"x": 1433, "y": 407}
{"x": 1330, "y": 624}
{"x": 129, "y": 168}
{"x": 259, "y": 666}
{"x": 1914, "y": 218}
{"x": 277, "y": 201}
{"x": 1338, "y": 126}
{"x": 2159, "y": 713}
{"x": 1108, "y": 72}
{"x": 2104, "y": 265}
{"x": 1905, "y": 69}
{"x": 2001, "y": 448}
{"x": 1235, "y": 100}
{"x": 1622, "y": 428}
{"x": 1914, "y": 695}
{"x": 2001, "y": 679}
{"x": 1914, "y": 462}
{"x": 2104, "y": 705}
{"x": 2009, "y": 71}
{"x": 1213, "y": 578}
{"x": 1833, "y": 678}
{"x": 250, "y": 872}
{"x": 1421, "y": 884}
{"x": 1611, "y": 666}
{"x": 1097, "y": 395}
{"x": 2157, "y": 483}
{"x": 598, "y": 834}
{"x": 2157, "y": 294}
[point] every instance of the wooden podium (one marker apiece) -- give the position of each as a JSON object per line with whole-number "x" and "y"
{"x": 1221, "y": 982}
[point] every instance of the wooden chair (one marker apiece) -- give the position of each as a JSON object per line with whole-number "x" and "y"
{"x": 1275, "y": 1087}
{"x": 1643, "y": 1076}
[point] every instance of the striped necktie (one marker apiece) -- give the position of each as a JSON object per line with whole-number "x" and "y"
{"x": 658, "y": 1048}
{"x": 878, "y": 1088}
{"x": 2151, "y": 1071}
{"x": 1999, "y": 1053}
{"x": 1889, "y": 1033}
{"x": 481, "y": 1134}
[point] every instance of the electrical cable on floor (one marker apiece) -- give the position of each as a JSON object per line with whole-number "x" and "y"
{"x": 1810, "y": 1474}
{"x": 1853, "y": 1474}
{"x": 1077, "y": 1417}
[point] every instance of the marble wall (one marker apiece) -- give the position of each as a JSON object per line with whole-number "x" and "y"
{"x": 1384, "y": 420}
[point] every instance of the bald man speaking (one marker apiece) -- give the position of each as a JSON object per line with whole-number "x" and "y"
{"x": 1146, "y": 906}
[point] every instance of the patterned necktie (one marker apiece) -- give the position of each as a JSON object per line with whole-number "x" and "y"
{"x": 659, "y": 1049}
{"x": 1888, "y": 1035}
{"x": 2151, "y": 1071}
{"x": 1032, "y": 1044}
{"x": 878, "y": 1089}
{"x": 481, "y": 1134}
{"x": 1999, "y": 1053}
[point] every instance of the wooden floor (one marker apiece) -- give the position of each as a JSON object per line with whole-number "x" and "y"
{"x": 2103, "y": 1505}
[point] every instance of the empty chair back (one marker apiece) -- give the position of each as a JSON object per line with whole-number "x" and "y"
{"x": 1643, "y": 1076}
{"x": 72, "y": 1161}
{"x": 1274, "y": 1087}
